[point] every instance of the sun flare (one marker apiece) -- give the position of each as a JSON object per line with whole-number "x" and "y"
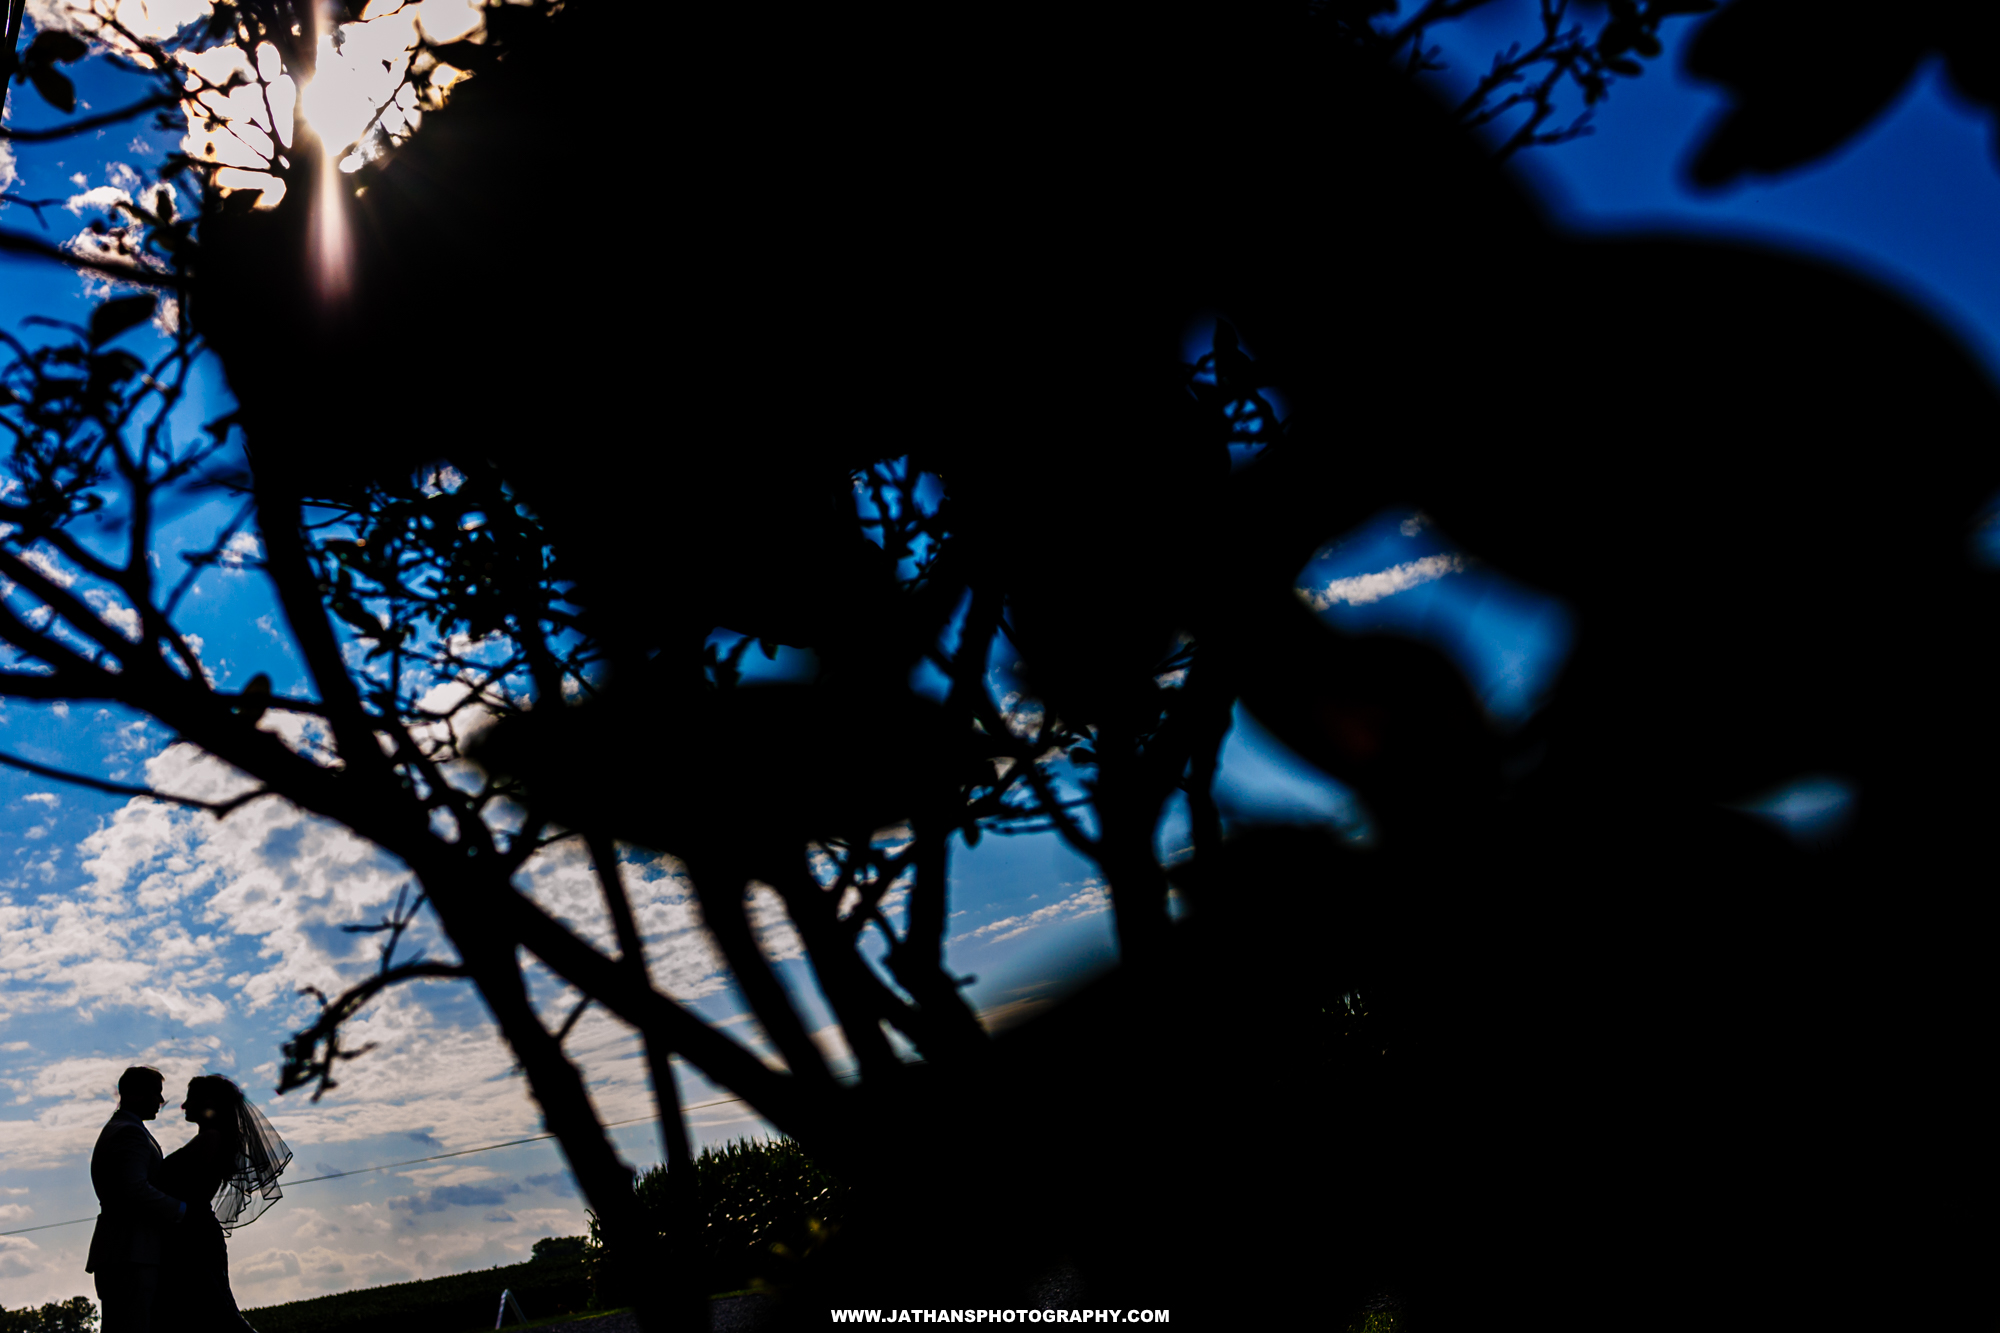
{"x": 359, "y": 99}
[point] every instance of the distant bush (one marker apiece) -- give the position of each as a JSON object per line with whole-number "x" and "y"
{"x": 75, "y": 1315}
{"x": 764, "y": 1206}
{"x": 556, "y": 1284}
{"x": 556, "y": 1248}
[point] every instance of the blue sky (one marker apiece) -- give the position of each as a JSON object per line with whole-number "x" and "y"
{"x": 134, "y": 933}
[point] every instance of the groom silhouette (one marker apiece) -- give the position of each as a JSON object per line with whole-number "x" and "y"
{"x": 125, "y": 1250}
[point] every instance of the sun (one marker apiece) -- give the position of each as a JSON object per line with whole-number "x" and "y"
{"x": 241, "y": 109}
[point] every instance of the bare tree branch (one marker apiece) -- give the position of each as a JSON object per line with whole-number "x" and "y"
{"x": 216, "y": 808}
{"x": 70, "y": 129}
{"x": 34, "y": 247}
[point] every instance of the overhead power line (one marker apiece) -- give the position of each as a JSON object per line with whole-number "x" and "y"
{"x": 414, "y": 1161}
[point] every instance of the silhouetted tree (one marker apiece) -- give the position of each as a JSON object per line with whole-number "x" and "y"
{"x": 75, "y": 1315}
{"x": 967, "y": 248}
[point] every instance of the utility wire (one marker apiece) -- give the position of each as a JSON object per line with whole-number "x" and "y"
{"x": 414, "y": 1161}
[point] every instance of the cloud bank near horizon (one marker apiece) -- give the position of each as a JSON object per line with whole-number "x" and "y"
{"x": 164, "y": 936}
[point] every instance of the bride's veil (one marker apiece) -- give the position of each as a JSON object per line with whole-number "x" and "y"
{"x": 251, "y": 1183}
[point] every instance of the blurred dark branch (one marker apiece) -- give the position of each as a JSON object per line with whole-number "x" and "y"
{"x": 887, "y": 871}
{"x": 20, "y": 243}
{"x": 474, "y": 838}
{"x": 216, "y": 808}
{"x": 590, "y": 972}
{"x": 1047, "y": 803}
{"x": 311, "y": 1055}
{"x": 401, "y": 917}
{"x": 97, "y": 122}
{"x": 290, "y": 570}
{"x": 36, "y": 685}
{"x": 558, "y": 1084}
{"x": 858, "y": 999}
{"x": 1129, "y": 794}
{"x": 63, "y": 542}
{"x": 526, "y": 841}
{"x": 575, "y": 1016}
{"x": 1433, "y": 12}
{"x": 917, "y": 960}
{"x": 721, "y": 887}
{"x": 10, "y": 42}
{"x": 34, "y": 206}
{"x": 1210, "y": 726}
{"x": 68, "y": 607}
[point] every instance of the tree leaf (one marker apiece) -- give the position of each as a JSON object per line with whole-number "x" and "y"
{"x": 472, "y": 56}
{"x": 55, "y": 88}
{"x": 1802, "y": 85}
{"x": 52, "y": 47}
{"x": 115, "y": 316}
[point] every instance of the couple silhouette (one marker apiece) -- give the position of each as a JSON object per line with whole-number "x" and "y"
{"x": 159, "y": 1252}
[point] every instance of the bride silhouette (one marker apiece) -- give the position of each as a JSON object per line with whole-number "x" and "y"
{"x": 227, "y": 1175}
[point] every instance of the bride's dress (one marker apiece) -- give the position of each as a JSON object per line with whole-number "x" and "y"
{"x": 194, "y": 1277}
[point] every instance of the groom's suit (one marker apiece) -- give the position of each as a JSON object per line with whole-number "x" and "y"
{"x": 126, "y": 1248}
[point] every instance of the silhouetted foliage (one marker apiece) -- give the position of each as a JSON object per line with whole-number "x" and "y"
{"x": 948, "y": 264}
{"x": 75, "y": 1315}
{"x": 1807, "y": 76}
{"x": 765, "y": 1208}
{"x": 552, "y": 1248}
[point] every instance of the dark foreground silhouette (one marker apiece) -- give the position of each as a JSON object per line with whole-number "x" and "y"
{"x": 159, "y": 1249}
{"x": 135, "y": 1218}
{"x": 1574, "y": 1037}
{"x": 228, "y": 1175}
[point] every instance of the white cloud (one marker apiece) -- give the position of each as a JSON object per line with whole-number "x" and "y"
{"x": 1022, "y": 715}
{"x": 833, "y": 1047}
{"x": 1089, "y": 900}
{"x": 14, "y": 1260}
{"x": 78, "y": 1093}
{"x": 40, "y": 559}
{"x": 48, "y": 798}
{"x": 777, "y": 937}
{"x": 680, "y": 953}
{"x": 124, "y": 619}
{"x": 1362, "y": 589}
{"x": 239, "y": 551}
{"x": 102, "y": 199}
